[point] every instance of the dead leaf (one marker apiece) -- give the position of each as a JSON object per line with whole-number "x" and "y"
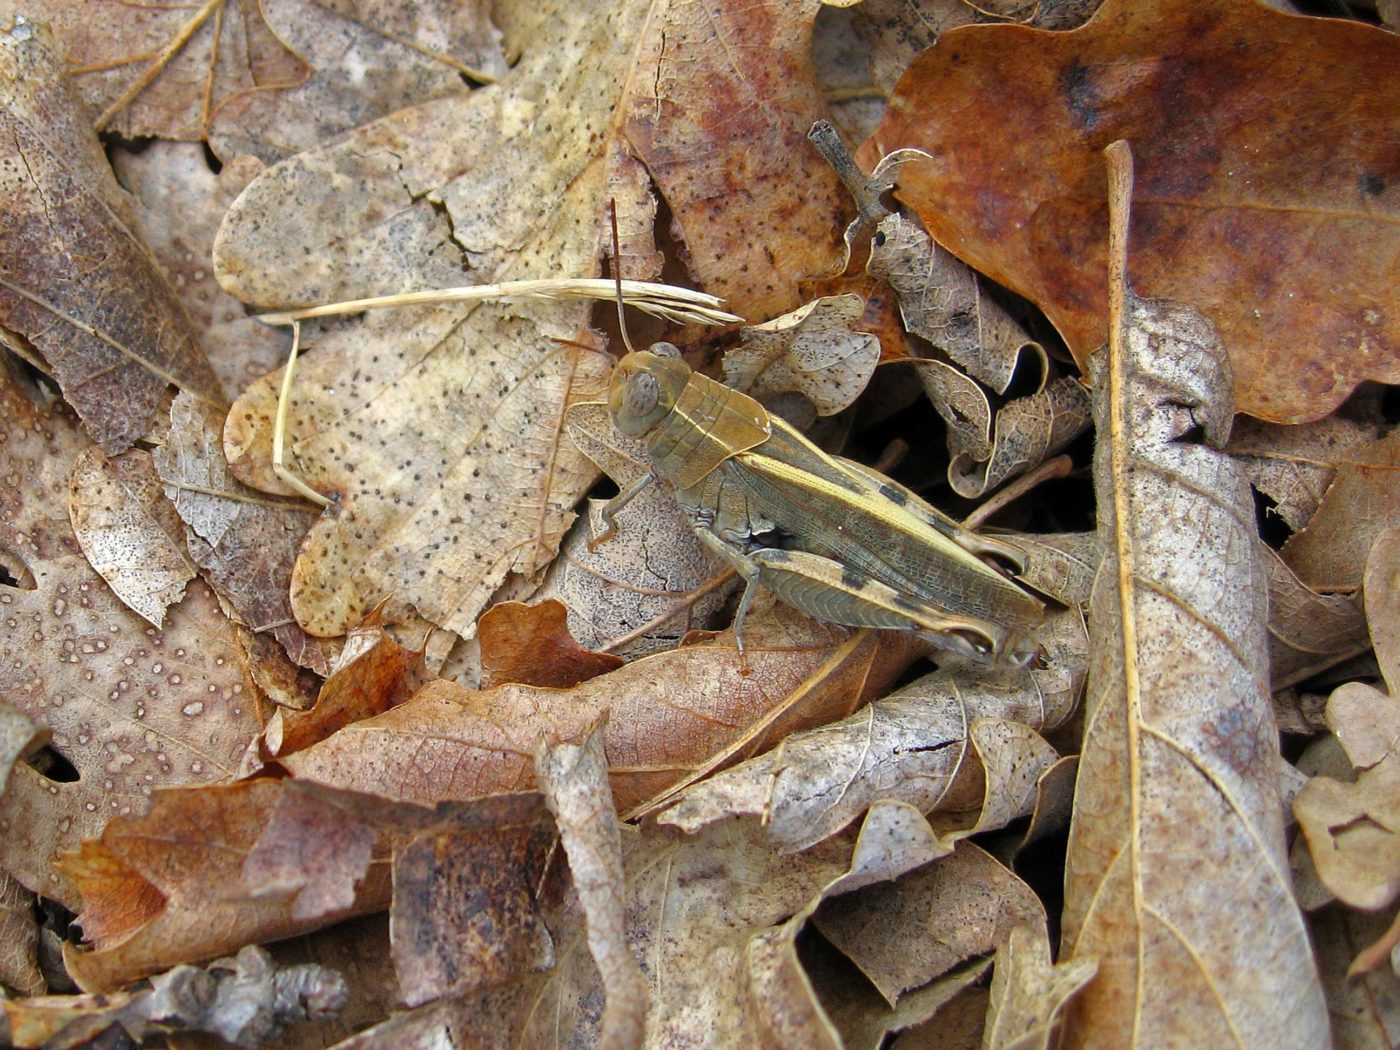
{"x": 1365, "y": 1008}
{"x": 1330, "y": 553}
{"x": 674, "y": 716}
{"x": 246, "y": 1001}
{"x": 907, "y": 933}
{"x": 372, "y": 674}
{"x": 1308, "y": 632}
{"x": 1294, "y": 466}
{"x": 941, "y": 300}
{"x": 129, "y": 532}
{"x": 130, "y": 707}
{"x": 574, "y": 780}
{"x": 1029, "y": 430}
{"x": 1295, "y": 271}
{"x": 1349, "y": 825}
{"x": 920, "y": 745}
{"x": 1029, "y": 991}
{"x": 1178, "y": 799}
{"x": 161, "y": 71}
{"x": 366, "y": 60}
{"x": 19, "y": 938}
{"x": 866, "y": 1021}
{"x": 532, "y": 644}
{"x": 179, "y": 202}
{"x": 813, "y": 351}
{"x": 75, "y": 279}
{"x": 245, "y": 542}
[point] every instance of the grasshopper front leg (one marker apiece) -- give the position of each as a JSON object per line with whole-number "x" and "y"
{"x": 614, "y": 506}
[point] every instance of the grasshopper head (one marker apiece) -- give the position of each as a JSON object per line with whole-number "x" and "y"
{"x": 645, "y": 386}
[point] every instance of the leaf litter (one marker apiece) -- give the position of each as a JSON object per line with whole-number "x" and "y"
{"x": 774, "y": 820}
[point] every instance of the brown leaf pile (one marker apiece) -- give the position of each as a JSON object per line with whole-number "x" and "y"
{"x": 431, "y": 766}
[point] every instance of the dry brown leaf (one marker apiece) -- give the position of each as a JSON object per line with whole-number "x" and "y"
{"x": 1294, "y": 466}
{"x": 75, "y": 280}
{"x": 1029, "y": 430}
{"x": 1350, "y": 826}
{"x": 1364, "y": 498}
{"x": 1308, "y": 632}
{"x": 1365, "y": 1009}
{"x": 674, "y": 716}
{"x": 367, "y": 59}
{"x": 372, "y": 673}
{"x": 129, "y": 532}
{"x": 130, "y": 707}
{"x": 245, "y": 542}
{"x": 179, "y": 202}
{"x": 917, "y": 745}
{"x": 161, "y": 70}
{"x": 1029, "y": 991}
{"x": 904, "y": 934}
{"x": 1177, "y": 881}
{"x": 532, "y": 644}
{"x": 1296, "y": 271}
{"x": 19, "y": 938}
{"x": 574, "y": 780}
{"x": 20, "y": 737}
{"x": 814, "y": 352}
{"x": 866, "y": 1021}
{"x": 941, "y": 300}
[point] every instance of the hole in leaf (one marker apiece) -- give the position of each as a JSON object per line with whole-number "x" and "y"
{"x": 52, "y": 764}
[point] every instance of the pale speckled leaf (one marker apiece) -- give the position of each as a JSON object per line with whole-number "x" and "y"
{"x": 1029, "y": 991}
{"x": 1028, "y": 431}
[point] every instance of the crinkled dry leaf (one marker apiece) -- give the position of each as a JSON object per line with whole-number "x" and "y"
{"x": 1364, "y": 498}
{"x": 1308, "y": 632}
{"x": 160, "y": 70}
{"x": 130, "y": 707}
{"x": 20, "y": 737}
{"x": 179, "y": 202}
{"x": 367, "y": 59}
{"x": 1350, "y": 826}
{"x": 532, "y": 644}
{"x": 1281, "y": 230}
{"x": 814, "y": 351}
{"x": 75, "y": 280}
{"x": 941, "y": 300}
{"x": 674, "y": 716}
{"x": 916, "y": 745}
{"x": 1029, "y": 430}
{"x": 1294, "y": 466}
{"x": 1029, "y": 991}
{"x": 19, "y": 938}
{"x": 1365, "y": 1008}
{"x": 866, "y": 1021}
{"x": 245, "y": 542}
{"x": 574, "y": 780}
{"x": 905, "y": 934}
{"x": 129, "y": 532}
{"x": 1178, "y": 802}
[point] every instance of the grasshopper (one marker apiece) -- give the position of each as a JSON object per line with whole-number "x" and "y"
{"x": 837, "y": 540}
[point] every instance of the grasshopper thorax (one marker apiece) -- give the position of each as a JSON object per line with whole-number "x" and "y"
{"x": 645, "y": 387}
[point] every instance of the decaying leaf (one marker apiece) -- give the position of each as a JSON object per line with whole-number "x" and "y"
{"x": 129, "y": 533}
{"x": 574, "y": 779}
{"x": 179, "y": 201}
{"x": 532, "y": 644}
{"x": 904, "y": 934}
{"x": 674, "y": 716}
{"x": 1308, "y": 632}
{"x": 75, "y": 280}
{"x": 366, "y": 60}
{"x": 813, "y": 351}
{"x": 160, "y": 70}
{"x": 19, "y": 938}
{"x": 1330, "y": 553}
{"x": 1350, "y": 826}
{"x": 130, "y": 707}
{"x": 1280, "y": 229}
{"x": 1294, "y": 466}
{"x": 1178, "y": 776}
{"x": 1365, "y": 1008}
{"x": 1029, "y": 991}
{"x": 961, "y": 747}
{"x": 1028, "y": 431}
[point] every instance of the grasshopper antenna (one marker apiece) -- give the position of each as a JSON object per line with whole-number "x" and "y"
{"x": 617, "y": 275}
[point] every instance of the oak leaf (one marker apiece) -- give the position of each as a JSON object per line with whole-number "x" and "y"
{"x": 1282, "y": 230}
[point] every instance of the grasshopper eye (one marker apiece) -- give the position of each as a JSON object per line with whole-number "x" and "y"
{"x": 642, "y": 394}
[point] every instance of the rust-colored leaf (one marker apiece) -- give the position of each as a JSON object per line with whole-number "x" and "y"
{"x": 531, "y": 644}
{"x": 75, "y": 280}
{"x": 1276, "y": 218}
